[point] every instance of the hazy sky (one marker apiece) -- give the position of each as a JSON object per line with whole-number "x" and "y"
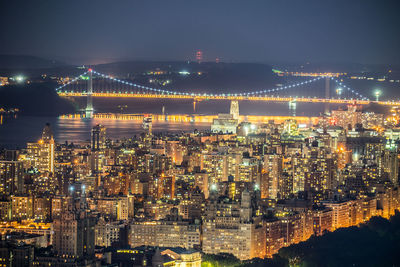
{"x": 362, "y": 31}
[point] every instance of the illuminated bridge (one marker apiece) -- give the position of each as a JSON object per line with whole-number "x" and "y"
{"x": 94, "y": 84}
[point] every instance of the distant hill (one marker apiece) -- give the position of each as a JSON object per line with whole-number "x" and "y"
{"x": 27, "y": 62}
{"x": 351, "y": 68}
{"x": 204, "y": 77}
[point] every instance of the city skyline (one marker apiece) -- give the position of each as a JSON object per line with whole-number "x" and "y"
{"x": 246, "y": 189}
{"x": 199, "y": 133}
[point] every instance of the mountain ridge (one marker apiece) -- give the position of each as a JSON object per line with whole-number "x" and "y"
{"x": 27, "y": 62}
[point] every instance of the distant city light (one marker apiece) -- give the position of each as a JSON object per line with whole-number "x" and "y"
{"x": 302, "y": 125}
{"x": 19, "y": 78}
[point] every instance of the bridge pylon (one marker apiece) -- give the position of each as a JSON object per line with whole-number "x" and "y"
{"x": 89, "y": 104}
{"x": 327, "y": 93}
{"x": 293, "y": 107}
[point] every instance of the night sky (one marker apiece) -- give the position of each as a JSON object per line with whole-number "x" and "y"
{"x": 94, "y": 31}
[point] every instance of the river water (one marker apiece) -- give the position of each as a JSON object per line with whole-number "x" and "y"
{"x": 16, "y": 132}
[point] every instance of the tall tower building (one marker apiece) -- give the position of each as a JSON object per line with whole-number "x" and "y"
{"x": 98, "y": 137}
{"x": 235, "y": 109}
{"x": 47, "y": 134}
{"x": 42, "y": 152}
{"x": 74, "y": 234}
{"x": 272, "y": 173}
{"x": 147, "y": 124}
{"x": 98, "y": 143}
{"x": 47, "y": 149}
{"x": 89, "y": 104}
{"x": 11, "y": 177}
{"x": 230, "y": 226}
{"x": 327, "y": 94}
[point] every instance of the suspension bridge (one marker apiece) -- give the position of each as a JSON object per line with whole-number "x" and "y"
{"x": 94, "y": 84}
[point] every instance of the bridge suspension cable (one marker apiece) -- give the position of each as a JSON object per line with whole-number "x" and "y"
{"x": 71, "y": 81}
{"x": 243, "y": 94}
{"x": 349, "y": 89}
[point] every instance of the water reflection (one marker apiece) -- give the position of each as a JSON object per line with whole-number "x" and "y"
{"x": 79, "y": 129}
{"x": 17, "y": 132}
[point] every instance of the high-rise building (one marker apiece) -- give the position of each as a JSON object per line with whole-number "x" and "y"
{"x": 59, "y": 204}
{"x": 74, "y": 235}
{"x": 98, "y": 144}
{"x": 147, "y": 124}
{"x": 42, "y": 208}
{"x": 170, "y": 232}
{"x": 107, "y": 232}
{"x": 21, "y": 207}
{"x": 340, "y": 214}
{"x": 176, "y": 151}
{"x": 271, "y": 175}
{"x": 231, "y": 227}
{"x": 114, "y": 208}
{"x": 11, "y": 177}
{"x": 274, "y": 238}
{"x": 12, "y": 254}
{"x": 234, "y": 111}
{"x": 322, "y": 221}
{"x": 347, "y": 118}
{"x": 47, "y": 133}
{"x": 225, "y": 123}
{"x": 42, "y": 153}
{"x": 391, "y": 165}
{"x": 5, "y": 210}
{"x": 215, "y": 164}
{"x": 98, "y": 137}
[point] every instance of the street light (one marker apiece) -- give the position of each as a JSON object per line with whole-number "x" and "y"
{"x": 214, "y": 187}
{"x": 377, "y": 94}
{"x": 19, "y": 78}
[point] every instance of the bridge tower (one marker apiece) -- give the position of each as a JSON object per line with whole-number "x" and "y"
{"x": 292, "y": 107}
{"x": 235, "y": 109}
{"x": 327, "y": 93}
{"x": 89, "y": 104}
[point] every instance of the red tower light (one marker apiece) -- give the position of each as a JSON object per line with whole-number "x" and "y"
{"x": 199, "y": 56}
{"x": 90, "y": 70}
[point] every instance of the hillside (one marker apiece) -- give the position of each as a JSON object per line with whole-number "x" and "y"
{"x": 27, "y": 62}
{"x": 35, "y": 99}
{"x": 375, "y": 243}
{"x": 209, "y": 76}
